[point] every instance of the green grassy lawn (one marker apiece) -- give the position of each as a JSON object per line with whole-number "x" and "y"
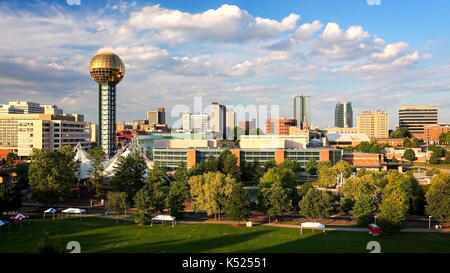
{"x": 103, "y": 235}
{"x": 428, "y": 165}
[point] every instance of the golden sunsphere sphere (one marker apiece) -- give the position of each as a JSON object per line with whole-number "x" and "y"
{"x": 107, "y": 67}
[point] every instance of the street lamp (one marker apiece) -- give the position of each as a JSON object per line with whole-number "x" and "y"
{"x": 375, "y": 219}
{"x": 429, "y": 222}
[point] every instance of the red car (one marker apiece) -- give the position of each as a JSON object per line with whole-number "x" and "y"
{"x": 374, "y": 230}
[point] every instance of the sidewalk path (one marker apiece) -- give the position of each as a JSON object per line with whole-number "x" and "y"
{"x": 351, "y": 229}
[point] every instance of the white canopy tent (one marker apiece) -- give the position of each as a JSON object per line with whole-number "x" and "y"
{"x": 163, "y": 218}
{"x": 312, "y": 226}
{"x": 73, "y": 211}
{"x": 52, "y": 211}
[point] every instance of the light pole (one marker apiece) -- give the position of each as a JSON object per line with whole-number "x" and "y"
{"x": 429, "y": 222}
{"x": 375, "y": 219}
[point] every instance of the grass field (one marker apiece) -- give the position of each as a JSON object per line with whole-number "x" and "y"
{"x": 103, "y": 235}
{"x": 428, "y": 165}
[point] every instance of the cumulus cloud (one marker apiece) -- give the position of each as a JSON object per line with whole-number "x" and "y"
{"x": 171, "y": 56}
{"x": 306, "y": 31}
{"x": 336, "y": 44}
{"x": 228, "y": 23}
{"x": 135, "y": 57}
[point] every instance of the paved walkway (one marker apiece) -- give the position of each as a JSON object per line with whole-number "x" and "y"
{"x": 351, "y": 229}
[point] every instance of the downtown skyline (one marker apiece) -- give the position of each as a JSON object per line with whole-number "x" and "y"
{"x": 233, "y": 52}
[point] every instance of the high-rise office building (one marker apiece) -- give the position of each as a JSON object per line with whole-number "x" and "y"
{"x": 416, "y": 117}
{"x": 187, "y": 121}
{"x": 230, "y": 124}
{"x": 22, "y": 107}
{"x": 373, "y": 124}
{"x": 199, "y": 122}
{"x": 302, "y": 110}
{"x": 217, "y": 119}
{"x": 343, "y": 115}
{"x": 24, "y": 132}
{"x": 156, "y": 116}
{"x": 107, "y": 70}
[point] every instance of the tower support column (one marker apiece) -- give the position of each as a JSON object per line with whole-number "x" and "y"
{"x": 107, "y": 118}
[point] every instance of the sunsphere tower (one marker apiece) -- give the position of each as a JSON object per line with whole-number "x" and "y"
{"x": 107, "y": 70}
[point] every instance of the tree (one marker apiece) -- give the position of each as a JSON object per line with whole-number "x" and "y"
{"x": 439, "y": 151}
{"x": 95, "y": 172}
{"x": 367, "y": 182}
{"x": 311, "y": 166}
{"x": 344, "y": 168}
{"x": 285, "y": 177}
{"x": 415, "y": 142}
{"x": 181, "y": 178}
{"x": 10, "y": 158}
{"x": 364, "y": 210}
{"x": 438, "y": 198}
{"x": 10, "y": 198}
{"x": 211, "y": 164}
{"x": 444, "y": 138}
{"x": 279, "y": 200}
{"x": 247, "y": 173}
{"x": 434, "y": 159}
{"x": 222, "y": 158}
{"x": 263, "y": 200}
{"x": 407, "y": 184}
{"x": 129, "y": 175}
{"x": 197, "y": 169}
{"x": 179, "y": 191}
{"x": 409, "y": 155}
{"x": 21, "y": 178}
{"x": 116, "y": 202}
{"x": 291, "y": 165}
{"x": 303, "y": 190}
{"x": 210, "y": 192}
{"x": 432, "y": 172}
{"x": 142, "y": 202}
{"x": 393, "y": 210}
{"x": 315, "y": 204}
{"x": 406, "y": 143}
{"x": 367, "y": 147}
{"x": 447, "y": 158}
{"x": 269, "y": 164}
{"x": 238, "y": 205}
{"x": 230, "y": 167}
{"x": 176, "y": 199}
{"x": 346, "y": 203}
{"x": 52, "y": 175}
{"x": 400, "y": 133}
{"x": 327, "y": 177}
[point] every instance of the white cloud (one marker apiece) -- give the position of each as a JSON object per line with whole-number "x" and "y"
{"x": 306, "y": 31}
{"x": 229, "y": 56}
{"x": 228, "y": 23}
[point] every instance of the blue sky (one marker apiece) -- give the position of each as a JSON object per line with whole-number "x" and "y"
{"x": 236, "y": 52}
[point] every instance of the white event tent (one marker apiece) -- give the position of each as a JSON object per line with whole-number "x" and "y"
{"x": 73, "y": 211}
{"x": 162, "y": 218}
{"x": 312, "y": 226}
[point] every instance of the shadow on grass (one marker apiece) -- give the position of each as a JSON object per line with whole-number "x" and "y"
{"x": 213, "y": 244}
{"x": 356, "y": 242}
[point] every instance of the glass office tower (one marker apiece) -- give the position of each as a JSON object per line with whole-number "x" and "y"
{"x": 343, "y": 115}
{"x": 302, "y": 110}
{"x": 107, "y": 70}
